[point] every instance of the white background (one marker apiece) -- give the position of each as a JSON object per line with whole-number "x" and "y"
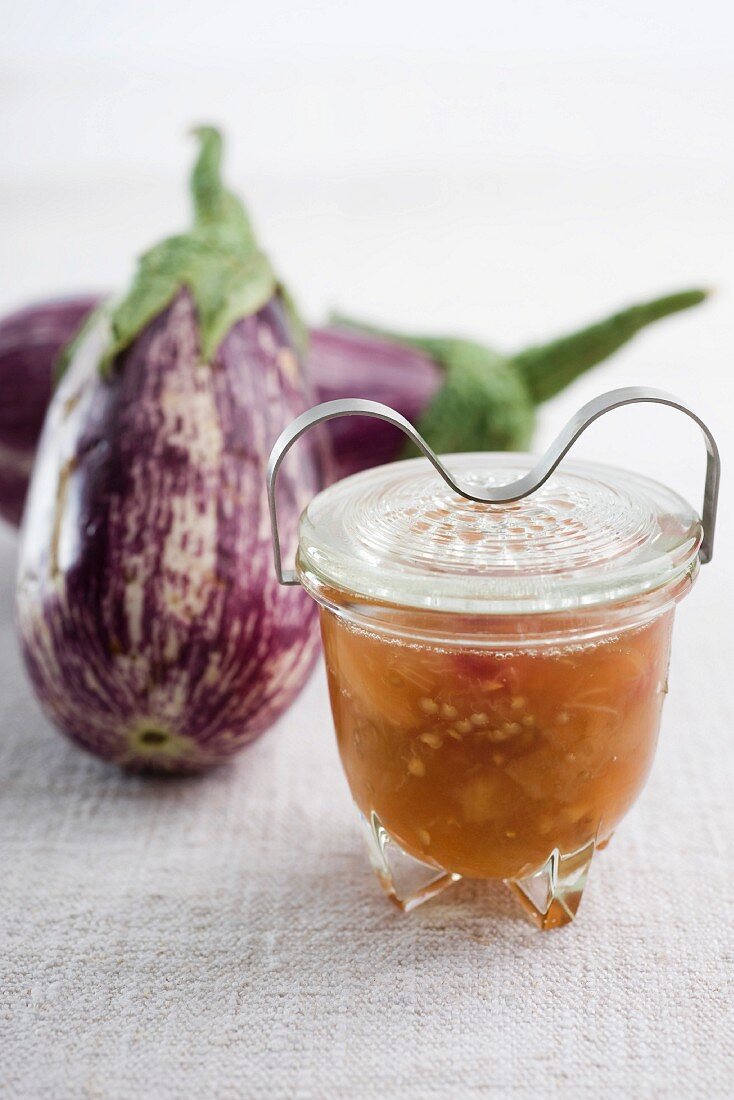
{"x": 505, "y": 171}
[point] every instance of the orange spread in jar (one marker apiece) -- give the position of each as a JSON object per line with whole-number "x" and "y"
{"x": 483, "y": 757}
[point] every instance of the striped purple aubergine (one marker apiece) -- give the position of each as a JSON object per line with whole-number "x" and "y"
{"x": 341, "y": 362}
{"x": 151, "y": 623}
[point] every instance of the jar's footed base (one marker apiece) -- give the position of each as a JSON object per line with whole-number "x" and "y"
{"x": 553, "y": 894}
{"x": 550, "y": 896}
{"x": 407, "y": 881}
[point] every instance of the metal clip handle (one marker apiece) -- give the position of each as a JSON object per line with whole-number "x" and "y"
{"x": 514, "y": 490}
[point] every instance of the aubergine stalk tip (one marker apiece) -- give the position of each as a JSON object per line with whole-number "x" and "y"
{"x": 461, "y": 395}
{"x": 151, "y": 623}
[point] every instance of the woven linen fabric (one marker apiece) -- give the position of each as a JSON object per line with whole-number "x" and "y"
{"x": 224, "y": 936}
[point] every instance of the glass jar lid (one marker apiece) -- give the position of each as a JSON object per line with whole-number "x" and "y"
{"x": 592, "y": 534}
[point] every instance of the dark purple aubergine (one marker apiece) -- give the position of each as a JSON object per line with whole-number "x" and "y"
{"x": 345, "y": 362}
{"x": 467, "y": 396}
{"x": 151, "y": 623}
{"x": 31, "y": 341}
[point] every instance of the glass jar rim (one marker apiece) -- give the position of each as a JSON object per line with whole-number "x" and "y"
{"x": 594, "y": 535}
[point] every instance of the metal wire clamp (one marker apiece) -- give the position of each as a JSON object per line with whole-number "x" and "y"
{"x": 514, "y": 490}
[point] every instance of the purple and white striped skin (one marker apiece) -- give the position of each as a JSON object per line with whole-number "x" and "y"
{"x": 341, "y": 362}
{"x": 31, "y": 340}
{"x": 151, "y": 622}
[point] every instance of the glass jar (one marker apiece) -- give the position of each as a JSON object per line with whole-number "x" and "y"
{"x": 496, "y": 671}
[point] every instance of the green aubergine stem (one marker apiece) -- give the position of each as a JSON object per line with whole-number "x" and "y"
{"x": 547, "y": 368}
{"x": 218, "y": 260}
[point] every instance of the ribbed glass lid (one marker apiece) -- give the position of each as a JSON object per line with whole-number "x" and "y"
{"x": 591, "y": 535}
